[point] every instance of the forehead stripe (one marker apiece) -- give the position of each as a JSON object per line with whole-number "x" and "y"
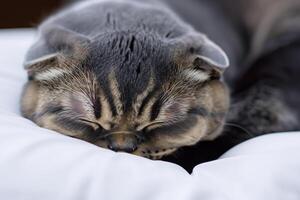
{"x": 147, "y": 99}
{"x": 115, "y": 91}
{"x": 109, "y": 97}
{"x": 155, "y": 110}
{"x": 97, "y": 108}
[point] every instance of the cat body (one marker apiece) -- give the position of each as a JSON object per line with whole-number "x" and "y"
{"x": 265, "y": 95}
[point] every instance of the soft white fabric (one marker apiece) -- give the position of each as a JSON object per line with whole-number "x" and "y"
{"x": 36, "y": 163}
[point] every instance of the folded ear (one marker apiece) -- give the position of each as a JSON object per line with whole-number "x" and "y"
{"x": 57, "y": 49}
{"x": 201, "y": 56}
{"x": 213, "y": 55}
{"x": 38, "y": 68}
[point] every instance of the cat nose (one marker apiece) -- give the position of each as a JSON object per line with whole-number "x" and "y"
{"x": 127, "y": 149}
{"x": 122, "y": 143}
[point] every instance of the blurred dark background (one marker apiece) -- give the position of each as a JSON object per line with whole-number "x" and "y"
{"x": 26, "y": 13}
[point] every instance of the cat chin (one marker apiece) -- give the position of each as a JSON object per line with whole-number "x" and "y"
{"x": 154, "y": 154}
{"x": 151, "y": 153}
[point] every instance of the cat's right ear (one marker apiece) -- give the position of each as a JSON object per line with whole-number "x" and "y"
{"x": 45, "y": 67}
{"x": 56, "y": 50}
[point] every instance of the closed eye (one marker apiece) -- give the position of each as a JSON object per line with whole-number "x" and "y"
{"x": 90, "y": 122}
{"x": 68, "y": 113}
{"x": 179, "y": 127}
{"x": 65, "y": 114}
{"x": 153, "y": 125}
{"x": 98, "y": 134}
{"x": 149, "y": 126}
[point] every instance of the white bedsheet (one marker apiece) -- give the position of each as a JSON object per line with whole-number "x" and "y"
{"x": 37, "y": 164}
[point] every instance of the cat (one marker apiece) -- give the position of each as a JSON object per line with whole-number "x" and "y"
{"x": 150, "y": 78}
{"x": 130, "y": 76}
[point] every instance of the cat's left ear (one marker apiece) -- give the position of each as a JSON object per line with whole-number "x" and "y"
{"x": 200, "y": 55}
{"x": 212, "y": 54}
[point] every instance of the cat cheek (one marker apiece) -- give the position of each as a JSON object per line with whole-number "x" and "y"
{"x": 176, "y": 109}
{"x": 173, "y": 108}
{"x": 77, "y": 105}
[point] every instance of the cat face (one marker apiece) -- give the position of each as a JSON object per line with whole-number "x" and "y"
{"x": 131, "y": 92}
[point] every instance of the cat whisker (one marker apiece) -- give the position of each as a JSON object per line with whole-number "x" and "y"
{"x": 241, "y": 128}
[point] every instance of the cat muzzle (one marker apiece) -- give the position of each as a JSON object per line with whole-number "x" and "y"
{"x": 120, "y": 142}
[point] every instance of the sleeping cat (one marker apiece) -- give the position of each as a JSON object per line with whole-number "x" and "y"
{"x": 140, "y": 77}
{"x": 128, "y": 76}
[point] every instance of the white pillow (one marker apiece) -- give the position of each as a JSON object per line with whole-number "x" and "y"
{"x": 36, "y": 163}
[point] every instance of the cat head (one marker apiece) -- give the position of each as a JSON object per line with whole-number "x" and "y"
{"x": 135, "y": 92}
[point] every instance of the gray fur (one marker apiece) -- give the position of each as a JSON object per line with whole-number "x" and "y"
{"x": 98, "y": 20}
{"x": 147, "y": 37}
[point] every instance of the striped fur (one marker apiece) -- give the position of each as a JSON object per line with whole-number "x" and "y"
{"x": 135, "y": 90}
